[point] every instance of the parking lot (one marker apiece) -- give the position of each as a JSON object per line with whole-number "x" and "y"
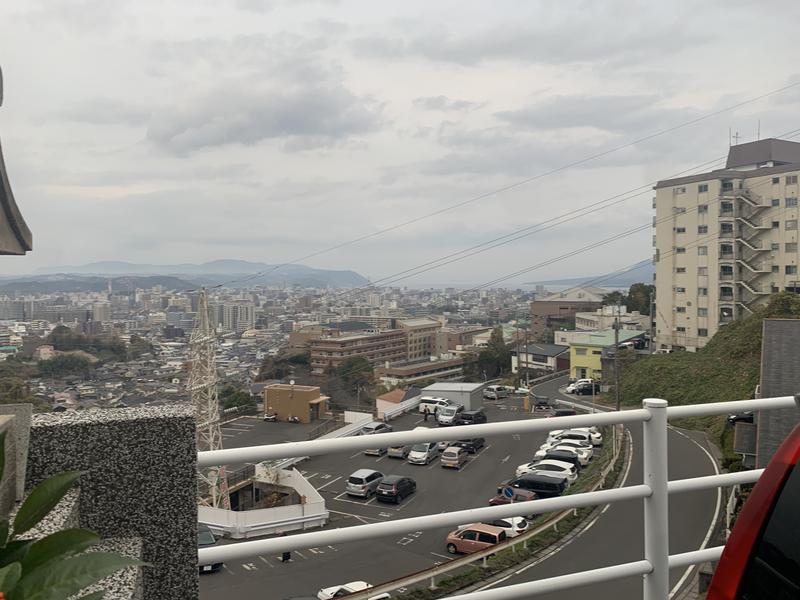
{"x": 438, "y": 490}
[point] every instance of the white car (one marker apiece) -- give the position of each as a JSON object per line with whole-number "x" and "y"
{"x": 583, "y": 457}
{"x": 590, "y": 434}
{"x": 513, "y": 526}
{"x": 557, "y": 467}
{"x": 580, "y": 447}
{"x": 572, "y": 386}
{"x": 522, "y": 390}
{"x": 345, "y": 589}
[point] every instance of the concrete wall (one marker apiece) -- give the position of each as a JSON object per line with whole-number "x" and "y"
{"x": 138, "y": 481}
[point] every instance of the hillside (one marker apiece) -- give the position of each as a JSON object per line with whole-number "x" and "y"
{"x": 727, "y": 368}
{"x": 77, "y": 283}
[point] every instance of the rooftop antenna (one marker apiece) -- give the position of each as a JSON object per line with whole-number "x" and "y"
{"x": 758, "y": 136}
{"x": 203, "y": 390}
{"x": 736, "y": 137}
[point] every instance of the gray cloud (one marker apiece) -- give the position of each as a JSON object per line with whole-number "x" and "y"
{"x": 258, "y": 6}
{"x": 445, "y": 103}
{"x": 106, "y": 111}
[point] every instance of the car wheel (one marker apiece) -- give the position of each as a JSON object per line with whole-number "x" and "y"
{"x": 451, "y": 549}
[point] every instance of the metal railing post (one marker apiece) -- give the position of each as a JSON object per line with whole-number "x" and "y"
{"x": 656, "y": 505}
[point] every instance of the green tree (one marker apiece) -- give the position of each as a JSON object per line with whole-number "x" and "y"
{"x": 355, "y": 372}
{"x": 639, "y": 297}
{"x": 65, "y": 364}
{"x": 231, "y": 397}
{"x": 615, "y": 297}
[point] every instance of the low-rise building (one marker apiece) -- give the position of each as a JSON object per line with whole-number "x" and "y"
{"x": 407, "y": 372}
{"x": 541, "y": 357}
{"x": 288, "y": 401}
{"x": 331, "y": 351}
{"x": 586, "y": 351}
{"x": 605, "y": 317}
{"x": 553, "y": 310}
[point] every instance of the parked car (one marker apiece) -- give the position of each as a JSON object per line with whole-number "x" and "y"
{"x": 363, "y": 482}
{"x": 423, "y": 453}
{"x": 558, "y": 467}
{"x": 545, "y": 486}
{"x": 394, "y": 488}
{"x": 448, "y": 415}
{"x": 453, "y": 457}
{"x": 513, "y": 526}
{"x": 520, "y": 495}
{"x": 494, "y": 392}
{"x": 583, "y": 434}
{"x": 345, "y": 589}
{"x": 571, "y": 387}
{"x": 472, "y": 417}
{"x": 433, "y": 404}
{"x": 375, "y": 451}
{"x": 587, "y": 389}
{"x": 567, "y": 456}
{"x": 742, "y": 417}
{"x": 471, "y": 445}
{"x": 442, "y": 445}
{"x": 206, "y": 539}
{"x": 474, "y": 538}
{"x": 583, "y": 453}
{"x": 565, "y": 412}
{"x": 663, "y": 351}
{"x": 522, "y": 390}
{"x": 376, "y": 427}
{"x": 760, "y": 558}
{"x": 398, "y": 451}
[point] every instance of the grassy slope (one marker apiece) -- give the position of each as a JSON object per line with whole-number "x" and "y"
{"x": 728, "y": 368}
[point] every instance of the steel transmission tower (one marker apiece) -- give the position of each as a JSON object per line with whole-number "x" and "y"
{"x": 212, "y": 484}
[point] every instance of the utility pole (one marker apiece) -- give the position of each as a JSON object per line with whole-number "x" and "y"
{"x": 616, "y": 357}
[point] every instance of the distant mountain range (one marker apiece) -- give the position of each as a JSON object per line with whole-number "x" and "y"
{"x": 218, "y": 272}
{"x": 641, "y": 272}
{"x": 48, "y": 284}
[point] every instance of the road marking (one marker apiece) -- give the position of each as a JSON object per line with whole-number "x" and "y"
{"x": 266, "y": 561}
{"x": 505, "y": 459}
{"x": 310, "y": 476}
{"x": 326, "y": 476}
{"x": 381, "y": 458}
{"x": 406, "y": 503}
{"x": 316, "y": 551}
{"x": 442, "y": 556}
{"x": 418, "y": 422}
{"x": 474, "y": 458}
{"x": 356, "y": 454}
{"x": 334, "y": 548}
{"x": 363, "y": 519}
{"x": 301, "y": 555}
{"x": 710, "y": 531}
{"x": 516, "y": 437}
{"x": 386, "y": 515}
{"x": 327, "y": 484}
{"x": 227, "y": 569}
{"x": 250, "y": 566}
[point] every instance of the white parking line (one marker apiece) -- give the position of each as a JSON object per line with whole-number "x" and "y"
{"x": 474, "y": 458}
{"x": 442, "y": 556}
{"x": 227, "y": 569}
{"x": 361, "y": 518}
{"x": 310, "y": 476}
{"x": 356, "y": 454}
{"x": 300, "y": 554}
{"x": 269, "y": 564}
{"x": 327, "y": 484}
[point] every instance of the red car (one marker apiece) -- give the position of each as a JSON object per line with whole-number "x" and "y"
{"x": 761, "y": 560}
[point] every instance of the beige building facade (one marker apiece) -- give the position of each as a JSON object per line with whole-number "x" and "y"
{"x": 725, "y": 241}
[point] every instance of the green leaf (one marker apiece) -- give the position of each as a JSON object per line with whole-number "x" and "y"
{"x": 62, "y": 579}
{"x": 42, "y": 499}
{"x": 58, "y": 545}
{"x": 14, "y": 551}
{"x": 9, "y": 576}
{"x": 3, "y": 532}
{"x": 93, "y": 596}
{"x": 2, "y": 453}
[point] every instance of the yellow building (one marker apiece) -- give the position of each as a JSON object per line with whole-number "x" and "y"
{"x": 586, "y": 352}
{"x": 302, "y": 401}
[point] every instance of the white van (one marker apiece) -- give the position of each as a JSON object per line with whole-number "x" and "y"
{"x": 433, "y": 404}
{"x": 493, "y": 392}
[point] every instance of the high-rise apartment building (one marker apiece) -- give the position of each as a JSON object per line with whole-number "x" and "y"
{"x": 101, "y": 312}
{"x": 238, "y": 316}
{"x": 725, "y": 240}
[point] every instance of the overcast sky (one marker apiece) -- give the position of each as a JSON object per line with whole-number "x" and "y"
{"x": 184, "y": 131}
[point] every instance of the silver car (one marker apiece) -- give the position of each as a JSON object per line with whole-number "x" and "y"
{"x": 363, "y": 483}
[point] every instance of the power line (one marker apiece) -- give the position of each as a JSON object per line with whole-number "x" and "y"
{"x": 514, "y": 185}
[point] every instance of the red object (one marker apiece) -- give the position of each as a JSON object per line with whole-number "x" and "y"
{"x": 752, "y": 519}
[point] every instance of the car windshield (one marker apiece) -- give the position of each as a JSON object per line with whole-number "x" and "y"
{"x": 205, "y": 537}
{"x": 448, "y": 411}
{"x": 419, "y": 448}
{"x": 355, "y": 480}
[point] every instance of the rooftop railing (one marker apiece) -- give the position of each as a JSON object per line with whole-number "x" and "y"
{"x": 654, "y": 492}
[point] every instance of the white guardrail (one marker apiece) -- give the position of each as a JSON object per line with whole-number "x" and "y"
{"x": 654, "y": 492}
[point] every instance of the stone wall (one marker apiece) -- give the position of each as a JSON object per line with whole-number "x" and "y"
{"x": 138, "y": 481}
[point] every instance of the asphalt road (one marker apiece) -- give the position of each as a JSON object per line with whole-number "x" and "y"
{"x": 617, "y": 536}
{"x": 439, "y": 490}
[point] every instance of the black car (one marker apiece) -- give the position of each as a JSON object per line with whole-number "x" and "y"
{"x": 545, "y": 486}
{"x": 471, "y": 417}
{"x": 570, "y": 457}
{"x": 394, "y": 488}
{"x": 585, "y": 389}
{"x": 471, "y": 446}
{"x": 742, "y": 417}
{"x": 565, "y": 412}
{"x": 206, "y": 539}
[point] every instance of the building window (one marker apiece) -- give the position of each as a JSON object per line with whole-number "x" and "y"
{"x": 702, "y": 229}
{"x": 776, "y": 180}
{"x": 702, "y": 312}
{"x": 680, "y": 229}
{"x": 703, "y": 187}
{"x": 580, "y": 351}
{"x": 791, "y": 246}
{"x": 702, "y": 208}
{"x": 776, "y": 224}
{"x": 727, "y": 186}
{"x": 680, "y": 190}
{"x": 791, "y": 269}
{"x": 791, "y": 202}
{"x": 775, "y": 247}
{"x": 791, "y": 224}
{"x": 597, "y": 352}
{"x": 702, "y": 333}
{"x": 680, "y": 290}
{"x": 776, "y": 202}
{"x": 702, "y": 271}
{"x": 776, "y": 269}
{"x": 680, "y": 269}
{"x": 702, "y": 250}
{"x": 790, "y": 179}
{"x": 678, "y": 210}
{"x": 726, "y": 227}
{"x": 682, "y": 250}
{"x": 680, "y": 309}
{"x": 680, "y": 329}
{"x": 702, "y": 291}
